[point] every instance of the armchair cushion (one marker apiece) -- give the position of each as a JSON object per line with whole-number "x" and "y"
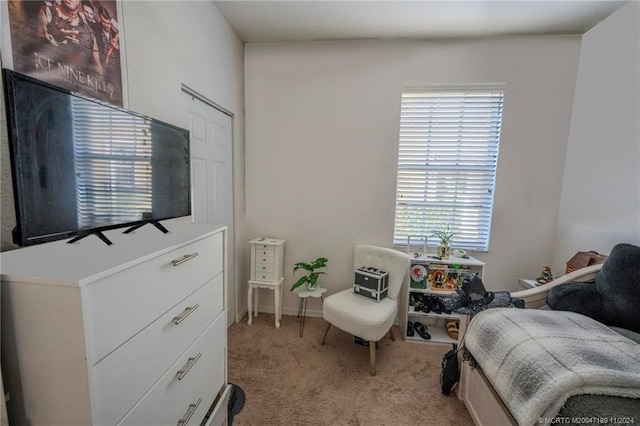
{"x": 614, "y": 298}
{"x": 360, "y": 316}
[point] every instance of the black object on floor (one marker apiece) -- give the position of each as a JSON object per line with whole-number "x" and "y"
{"x": 450, "y": 372}
{"x": 360, "y": 341}
{"x": 236, "y": 402}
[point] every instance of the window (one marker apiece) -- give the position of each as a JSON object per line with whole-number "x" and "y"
{"x": 447, "y": 160}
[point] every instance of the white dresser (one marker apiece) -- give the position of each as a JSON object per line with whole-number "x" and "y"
{"x": 128, "y": 334}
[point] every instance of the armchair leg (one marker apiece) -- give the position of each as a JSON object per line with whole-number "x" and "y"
{"x": 372, "y": 358}
{"x": 393, "y": 337}
{"x": 324, "y": 337}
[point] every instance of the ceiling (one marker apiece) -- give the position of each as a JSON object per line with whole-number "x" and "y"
{"x": 304, "y": 20}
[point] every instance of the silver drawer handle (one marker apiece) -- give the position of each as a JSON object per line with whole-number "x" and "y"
{"x": 183, "y": 259}
{"x": 181, "y": 373}
{"x": 188, "y": 311}
{"x": 192, "y": 409}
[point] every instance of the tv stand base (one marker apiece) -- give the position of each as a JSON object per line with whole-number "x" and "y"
{"x": 82, "y": 234}
{"x": 98, "y": 234}
{"x": 153, "y": 222}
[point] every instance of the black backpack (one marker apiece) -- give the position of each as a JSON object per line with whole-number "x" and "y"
{"x": 450, "y": 372}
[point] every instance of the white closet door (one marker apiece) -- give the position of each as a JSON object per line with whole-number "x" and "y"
{"x": 212, "y": 177}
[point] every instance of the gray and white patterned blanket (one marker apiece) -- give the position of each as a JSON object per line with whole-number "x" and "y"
{"x": 537, "y": 359}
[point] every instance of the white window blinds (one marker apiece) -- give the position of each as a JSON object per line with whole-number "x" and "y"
{"x": 447, "y": 160}
{"x": 113, "y": 165}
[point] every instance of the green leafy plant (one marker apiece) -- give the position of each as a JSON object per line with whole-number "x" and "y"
{"x": 443, "y": 236}
{"x": 311, "y": 275}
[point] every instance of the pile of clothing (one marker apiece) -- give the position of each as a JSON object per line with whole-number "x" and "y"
{"x": 472, "y": 298}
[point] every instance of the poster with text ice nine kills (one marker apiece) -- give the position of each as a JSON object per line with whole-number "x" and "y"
{"x": 73, "y": 44}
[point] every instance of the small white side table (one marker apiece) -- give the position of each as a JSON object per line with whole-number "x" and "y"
{"x": 304, "y": 295}
{"x": 524, "y": 284}
{"x": 267, "y": 271}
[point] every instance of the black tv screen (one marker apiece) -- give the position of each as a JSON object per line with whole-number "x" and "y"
{"x": 81, "y": 166}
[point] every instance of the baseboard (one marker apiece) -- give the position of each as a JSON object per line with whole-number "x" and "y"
{"x": 239, "y": 315}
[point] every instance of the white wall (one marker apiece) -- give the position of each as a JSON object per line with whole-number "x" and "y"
{"x": 322, "y": 123}
{"x": 175, "y": 42}
{"x": 600, "y": 203}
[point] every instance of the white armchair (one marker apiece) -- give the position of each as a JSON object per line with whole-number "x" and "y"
{"x": 365, "y": 318}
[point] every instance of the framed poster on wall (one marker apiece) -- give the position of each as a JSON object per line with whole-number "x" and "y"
{"x": 75, "y": 44}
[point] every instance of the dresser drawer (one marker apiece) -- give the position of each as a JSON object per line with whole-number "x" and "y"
{"x": 264, "y": 267}
{"x": 264, "y": 255}
{"x": 123, "y": 377}
{"x": 265, "y": 248}
{"x": 265, "y": 259}
{"x": 220, "y": 412}
{"x": 264, "y": 276}
{"x": 151, "y": 289}
{"x": 169, "y": 400}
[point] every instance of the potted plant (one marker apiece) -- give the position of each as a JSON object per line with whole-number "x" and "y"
{"x": 311, "y": 275}
{"x": 444, "y": 246}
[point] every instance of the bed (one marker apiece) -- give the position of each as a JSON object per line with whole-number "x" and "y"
{"x": 519, "y": 380}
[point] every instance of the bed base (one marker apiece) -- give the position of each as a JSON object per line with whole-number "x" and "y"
{"x": 483, "y": 403}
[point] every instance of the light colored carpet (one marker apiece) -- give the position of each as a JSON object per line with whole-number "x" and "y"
{"x": 293, "y": 380}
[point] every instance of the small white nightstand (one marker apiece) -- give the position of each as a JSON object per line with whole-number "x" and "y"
{"x": 267, "y": 271}
{"x": 524, "y": 284}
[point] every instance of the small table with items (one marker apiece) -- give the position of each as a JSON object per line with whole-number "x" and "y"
{"x": 525, "y": 284}
{"x": 304, "y": 295}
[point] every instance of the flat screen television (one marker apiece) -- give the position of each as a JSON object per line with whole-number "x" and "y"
{"x": 81, "y": 166}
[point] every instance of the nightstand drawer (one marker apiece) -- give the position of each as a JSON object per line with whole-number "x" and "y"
{"x": 127, "y": 374}
{"x": 151, "y": 287}
{"x": 170, "y": 399}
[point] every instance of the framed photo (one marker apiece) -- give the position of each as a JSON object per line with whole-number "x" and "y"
{"x": 75, "y": 44}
